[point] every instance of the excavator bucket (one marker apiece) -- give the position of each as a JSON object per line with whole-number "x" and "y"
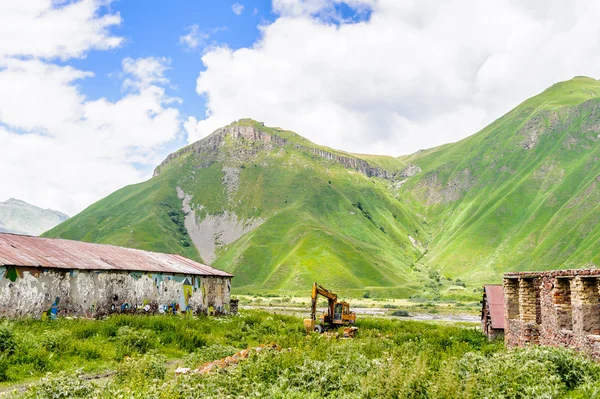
{"x": 350, "y": 332}
{"x": 309, "y": 325}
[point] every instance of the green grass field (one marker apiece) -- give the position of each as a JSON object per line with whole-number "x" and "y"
{"x": 387, "y": 359}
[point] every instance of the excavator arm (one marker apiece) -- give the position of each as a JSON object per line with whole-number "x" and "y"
{"x": 331, "y": 299}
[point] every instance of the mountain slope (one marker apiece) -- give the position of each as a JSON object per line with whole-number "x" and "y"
{"x": 271, "y": 207}
{"x": 18, "y": 216}
{"x": 281, "y": 212}
{"x": 522, "y": 194}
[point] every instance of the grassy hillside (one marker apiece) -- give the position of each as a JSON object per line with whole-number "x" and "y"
{"x": 522, "y": 194}
{"x": 280, "y": 212}
{"x": 316, "y": 219}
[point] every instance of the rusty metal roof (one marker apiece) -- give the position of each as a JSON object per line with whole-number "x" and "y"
{"x": 494, "y": 295}
{"x": 27, "y": 251}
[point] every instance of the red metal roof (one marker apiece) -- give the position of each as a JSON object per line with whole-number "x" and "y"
{"x": 495, "y": 299}
{"x": 27, "y": 251}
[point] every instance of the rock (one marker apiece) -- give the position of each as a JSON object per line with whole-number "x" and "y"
{"x": 182, "y": 370}
{"x": 409, "y": 171}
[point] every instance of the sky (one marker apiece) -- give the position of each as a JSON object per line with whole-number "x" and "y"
{"x": 95, "y": 93}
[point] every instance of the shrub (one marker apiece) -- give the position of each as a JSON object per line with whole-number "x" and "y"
{"x": 400, "y": 313}
{"x": 131, "y": 342}
{"x": 190, "y": 340}
{"x": 4, "y": 365}
{"x": 56, "y": 341}
{"x": 7, "y": 338}
{"x": 60, "y": 386}
{"x": 86, "y": 350}
{"x": 150, "y": 366}
{"x": 535, "y": 372}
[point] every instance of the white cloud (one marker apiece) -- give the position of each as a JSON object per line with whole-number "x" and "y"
{"x": 144, "y": 72}
{"x": 60, "y": 149}
{"x": 79, "y": 151}
{"x": 194, "y": 38}
{"x": 237, "y": 8}
{"x": 191, "y": 128}
{"x": 416, "y": 74}
{"x": 197, "y": 38}
{"x": 49, "y": 28}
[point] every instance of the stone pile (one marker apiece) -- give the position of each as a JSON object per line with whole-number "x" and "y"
{"x": 228, "y": 361}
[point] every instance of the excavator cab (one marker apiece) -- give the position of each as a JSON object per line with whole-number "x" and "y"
{"x": 337, "y": 313}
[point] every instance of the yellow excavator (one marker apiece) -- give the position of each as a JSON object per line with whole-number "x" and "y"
{"x": 338, "y": 313}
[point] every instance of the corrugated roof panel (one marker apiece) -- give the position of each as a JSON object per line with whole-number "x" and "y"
{"x": 27, "y": 251}
{"x": 495, "y": 299}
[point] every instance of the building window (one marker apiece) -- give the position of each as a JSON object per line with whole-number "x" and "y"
{"x": 590, "y": 306}
{"x": 511, "y": 292}
{"x": 562, "y": 303}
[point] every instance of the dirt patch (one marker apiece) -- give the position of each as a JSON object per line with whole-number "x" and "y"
{"x": 213, "y": 231}
{"x": 231, "y": 180}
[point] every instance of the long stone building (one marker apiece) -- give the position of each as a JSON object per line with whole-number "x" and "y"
{"x": 44, "y": 277}
{"x": 558, "y": 308}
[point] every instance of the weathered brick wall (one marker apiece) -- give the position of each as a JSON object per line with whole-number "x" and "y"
{"x": 558, "y": 308}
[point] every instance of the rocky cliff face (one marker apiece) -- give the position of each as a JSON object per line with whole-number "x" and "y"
{"x": 211, "y": 144}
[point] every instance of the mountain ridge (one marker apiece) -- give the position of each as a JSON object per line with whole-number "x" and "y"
{"x": 17, "y": 216}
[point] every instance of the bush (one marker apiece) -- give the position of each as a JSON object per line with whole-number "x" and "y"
{"x": 149, "y": 366}
{"x": 535, "y": 372}
{"x": 61, "y": 386}
{"x": 86, "y": 350}
{"x": 4, "y": 365}
{"x": 7, "y": 338}
{"x": 56, "y": 341}
{"x": 132, "y": 342}
{"x": 190, "y": 340}
{"x": 400, "y": 313}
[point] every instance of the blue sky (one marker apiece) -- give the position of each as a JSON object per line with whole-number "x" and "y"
{"x": 154, "y": 31}
{"x": 95, "y": 93}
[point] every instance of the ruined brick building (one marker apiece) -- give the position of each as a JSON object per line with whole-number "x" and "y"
{"x": 558, "y": 308}
{"x": 492, "y": 311}
{"x": 42, "y": 277}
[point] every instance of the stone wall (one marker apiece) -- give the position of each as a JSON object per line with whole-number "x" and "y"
{"x": 40, "y": 292}
{"x": 557, "y": 308}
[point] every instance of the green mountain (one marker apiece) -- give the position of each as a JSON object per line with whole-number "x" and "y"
{"x": 275, "y": 209}
{"x": 522, "y": 194}
{"x": 280, "y": 212}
